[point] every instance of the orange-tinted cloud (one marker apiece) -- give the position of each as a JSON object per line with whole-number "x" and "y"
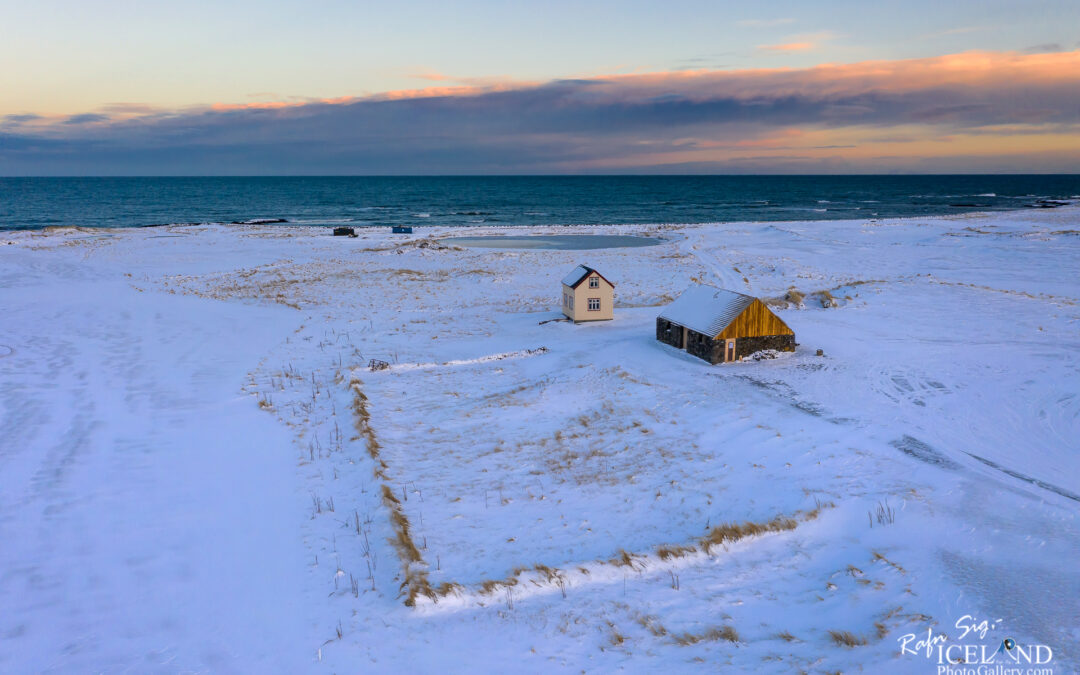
{"x": 1001, "y": 109}
{"x": 267, "y": 105}
{"x": 969, "y": 69}
{"x": 788, "y": 47}
{"x": 439, "y": 92}
{"x": 433, "y": 76}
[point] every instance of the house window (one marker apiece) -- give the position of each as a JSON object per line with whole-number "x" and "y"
{"x": 571, "y": 298}
{"x": 594, "y": 304}
{"x": 594, "y": 282}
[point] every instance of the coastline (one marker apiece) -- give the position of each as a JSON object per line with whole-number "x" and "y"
{"x": 421, "y": 231}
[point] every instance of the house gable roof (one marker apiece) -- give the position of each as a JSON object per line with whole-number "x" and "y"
{"x": 706, "y": 309}
{"x": 579, "y": 274}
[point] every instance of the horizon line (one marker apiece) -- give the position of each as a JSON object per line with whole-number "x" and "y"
{"x": 554, "y": 175}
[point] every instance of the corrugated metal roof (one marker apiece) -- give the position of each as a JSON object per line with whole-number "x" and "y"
{"x": 706, "y": 309}
{"x": 578, "y": 273}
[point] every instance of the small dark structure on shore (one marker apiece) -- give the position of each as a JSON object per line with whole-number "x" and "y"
{"x": 344, "y": 232}
{"x": 401, "y": 229}
{"x": 721, "y": 326}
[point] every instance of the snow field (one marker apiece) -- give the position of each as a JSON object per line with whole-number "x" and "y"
{"x": 187, "y": 441}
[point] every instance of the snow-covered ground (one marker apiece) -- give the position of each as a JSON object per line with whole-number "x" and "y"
{"x": 199, "y": 472}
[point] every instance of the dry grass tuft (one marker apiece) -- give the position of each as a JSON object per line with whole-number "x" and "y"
{"x": 786, "y": 636}
{"x": 549, "y": 573}
{"x": 730, "y": 532}
{"x": 388, "y": 497}
{"x": 846, "y": 639}
{"x": 727, "y": 633}
{"x": 623, "y": 559}
{"x": 652, "y": 624}
{"x": 402, "y": 541}
{"x": 447, "y": 588}
{"x": 362, "y": 423}
{"x": 898, "y": 568}
{"x": 359, "y": 406}
{"x": 491, "y": 585}
{"x": 616, "y": 638}
{"x": 416, "y": 582}
{"x": 670, "y": 552}
{"x": 816, "y": 511}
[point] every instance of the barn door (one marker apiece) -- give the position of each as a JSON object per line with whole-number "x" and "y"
{"x": 730, "y": 355}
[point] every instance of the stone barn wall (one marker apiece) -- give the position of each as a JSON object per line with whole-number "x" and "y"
{"x": 704, "y": 347}
{"x": 748, "y": 345}
{"x": 669, "y": 333}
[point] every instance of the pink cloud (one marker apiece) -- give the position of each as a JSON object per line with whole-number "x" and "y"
{"x": 973, "y": 70}
{"x": 973, "y": 104}
{"x": 788, "y": 47}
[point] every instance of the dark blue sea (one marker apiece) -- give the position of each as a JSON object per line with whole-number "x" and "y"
{"x": 34, "y": 203}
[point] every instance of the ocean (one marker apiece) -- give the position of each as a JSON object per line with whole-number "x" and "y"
{"x": 35, "y": 203}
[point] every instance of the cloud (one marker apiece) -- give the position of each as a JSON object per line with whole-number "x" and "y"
{"x": 801, "y": 43}
{"x": 86, "y": 118}
{"x": 129, "y": 108}
{"x": 1046, "y": 48}
{"x": 20, "y": 119}
{"x": 432, "y": 76}
{"x": 973, "y": 104}
{"x": 788, "y": 47}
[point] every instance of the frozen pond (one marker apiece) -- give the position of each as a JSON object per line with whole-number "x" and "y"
{"x": 561, "y": 242}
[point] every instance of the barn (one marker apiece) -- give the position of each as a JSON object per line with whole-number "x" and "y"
{"x": 587, "y": 295}
{"x": 721, "y": 326}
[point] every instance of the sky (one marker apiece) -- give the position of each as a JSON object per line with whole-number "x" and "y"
{"x": 119, "y": 87}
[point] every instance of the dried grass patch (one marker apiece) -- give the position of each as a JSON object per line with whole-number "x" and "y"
{"x": 843, "y": 638}
{"x": 898, "y": 568}
{"x": 726, "y": 633}
{"x": 731, "y": 532}
{"x": 624, "y": 559}
{"x": 415, "y": 582}
{"x": 362, "y": 422}
{"x": 722, "y": 534}
{"x": 652, "y": 624}
{"x": 671, "y": 552}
